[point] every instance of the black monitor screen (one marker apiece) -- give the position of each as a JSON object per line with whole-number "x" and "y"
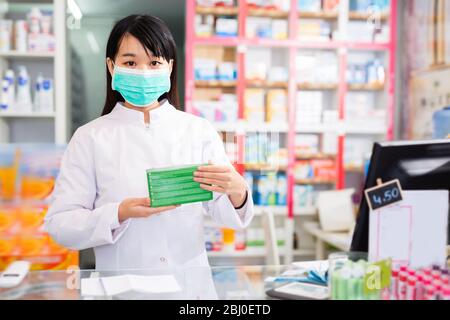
{"x": 420, "y": 165}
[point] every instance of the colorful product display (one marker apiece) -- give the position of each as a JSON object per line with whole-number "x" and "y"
{"x": 209, "y": 69}
{"x": 430, "y": 283}
{"x": 27, "y": 177}
{"x": 221, "y": 239}
{"x": 314, "y": 30}
{"x": 266, "y": 28}
{"x": 372, "y": 73}
{"x": 364, "y": 5}
{"x": 15, "y": 95}
{"x": 321, "y": 169}
{"x": 317, "y": 67}
{"x": 266, "y": 106}
{"x": 35, "y": 34}
{"x": 224, "y": 110}
{"x": 268, "y": 189}
{"x": 264, "y": 148}
{"x": 172, "y": 186}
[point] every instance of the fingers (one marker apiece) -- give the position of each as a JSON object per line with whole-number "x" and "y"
{"x": 215, "y": 168}
{"x": 147, "y": 211}
{"x": 162, "y": 209}
{"x": 212, "y": 188}
{"x": 141, "y": 201}
{"x": 220, "y": 183}
{"x": 212, "y": 175}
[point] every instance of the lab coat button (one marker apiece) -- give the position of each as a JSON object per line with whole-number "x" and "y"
{"x": 163, "y": 259}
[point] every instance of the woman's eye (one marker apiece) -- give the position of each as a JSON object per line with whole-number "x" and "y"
{"x": 155, "y": 63}
{"x": 130, "y": 63}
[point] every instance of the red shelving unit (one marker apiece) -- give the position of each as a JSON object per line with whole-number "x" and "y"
{"x": 293, "y": 45}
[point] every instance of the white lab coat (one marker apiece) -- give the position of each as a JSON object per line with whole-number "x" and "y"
{"x": 106, "y": 162}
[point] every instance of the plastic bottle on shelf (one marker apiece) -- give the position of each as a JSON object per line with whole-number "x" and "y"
{"x": 46, "y": 103}
{"x": 240, "y": 240}
{"x": 21, "y": 35}
{"x": 381, "y": 73}
{"x": 5, "y": 35}
{"x": 34, "y": 36}
{"x": 23, "y": 102}
{"x": 11, "y": 91}
{"x": 4, "y": 98}
{"x": 441, "y": 123}
{"x": 37, "y": 93}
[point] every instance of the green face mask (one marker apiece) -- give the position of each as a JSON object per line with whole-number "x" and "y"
{"x": 141, "y": 87}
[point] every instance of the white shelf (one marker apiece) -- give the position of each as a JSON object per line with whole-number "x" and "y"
{"x": 26, "y": 115}
{"x": 353, "y": 129}
{"x": 300, "y": 128}
{"x": 282, "y": 210}
{"x": 255, "y": 252}
{"x": 31, "y": 55}
{"x": 251, "y": 127}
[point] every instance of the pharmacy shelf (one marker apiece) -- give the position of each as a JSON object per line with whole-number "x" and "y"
{"x": 366, "y": 87}
{"x": 365, "y": 16}
{"x": 315, "y": 181}
{"x": 215, "y": 84}
{"x": 318, "y": 15}
{"x": 343, "y": 49}
{"x": 264, "y": 167}
{"x": 299, "y": 44}
{"x": 318, "y": 156}
{"x": 250, "y": 127}
{"x": 267, "y": 13}
{"x": 282, "y": 210}
{"x": 266, "y": 84}
{"x": 217, "y": 11}
{"x": 26, "y": 115}
{"x": 354, "y": 168}
{"x": 365, "y": 130}
{"x": 30, "y": 55}
{"x": 57, "y": 59}
{"x": 317, "y": 86}
{"x": 255, "y": 252}
{"x": 317, "y": 128}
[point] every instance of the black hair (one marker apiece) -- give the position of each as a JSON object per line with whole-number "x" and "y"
{"x": 155, "y": 36}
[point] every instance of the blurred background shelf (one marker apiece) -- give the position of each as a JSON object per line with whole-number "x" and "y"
{"x": 318, "y": 15}
{"x": 317, "y": 86}
{"x": 267, "y": 13}
{"x": 314, "y": 181}
{"x": 26, "y": 115}
{"x": 217, "y": 11}
{"x": 31, "y": 55}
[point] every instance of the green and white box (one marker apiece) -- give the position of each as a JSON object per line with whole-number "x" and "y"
{"x": 175, "y": 185}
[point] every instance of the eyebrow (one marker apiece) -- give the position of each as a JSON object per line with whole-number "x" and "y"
{"x": 128, "y": 55}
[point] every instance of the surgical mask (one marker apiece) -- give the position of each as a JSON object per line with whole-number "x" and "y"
{"x": 141, "y": 87}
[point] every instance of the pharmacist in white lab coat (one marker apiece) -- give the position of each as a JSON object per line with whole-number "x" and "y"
{"x": 101, "y": 196}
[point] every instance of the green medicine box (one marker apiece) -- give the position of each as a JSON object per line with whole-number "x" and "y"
{"x": 175, "y": 185}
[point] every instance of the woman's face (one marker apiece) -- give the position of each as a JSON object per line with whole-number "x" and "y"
{"x": 132, "y": 54}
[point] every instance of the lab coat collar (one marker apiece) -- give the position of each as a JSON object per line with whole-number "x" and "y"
{"x": 156, "y": 115}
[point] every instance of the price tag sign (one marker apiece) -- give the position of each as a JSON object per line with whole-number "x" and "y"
{"x": 384, "y": 194}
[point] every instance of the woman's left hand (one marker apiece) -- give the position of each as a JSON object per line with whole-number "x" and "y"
{"x": 223, "y": 179}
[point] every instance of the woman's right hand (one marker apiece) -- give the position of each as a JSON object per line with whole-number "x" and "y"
{"x": 139, "y": 208}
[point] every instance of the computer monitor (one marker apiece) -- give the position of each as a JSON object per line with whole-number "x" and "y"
{"x": 419, "y": 165}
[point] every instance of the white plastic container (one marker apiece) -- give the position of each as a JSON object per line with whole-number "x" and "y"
{"x": 46, "y": 96}
{"x": 5, "y": 35}
{"x": 37, "y": 93}
{"x": 11, "y": 91}
{"x": 21, "y": 35}
{"x": 23, "y": 102}
{"x": 4, "y": 99}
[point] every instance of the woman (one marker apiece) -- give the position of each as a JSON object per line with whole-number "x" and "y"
{"x": 101, "y": 197}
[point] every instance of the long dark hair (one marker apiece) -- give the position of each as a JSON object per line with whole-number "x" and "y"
{"x": 155, "y": 36}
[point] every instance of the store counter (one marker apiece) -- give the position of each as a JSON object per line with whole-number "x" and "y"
{"x": 198, "y": 283}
